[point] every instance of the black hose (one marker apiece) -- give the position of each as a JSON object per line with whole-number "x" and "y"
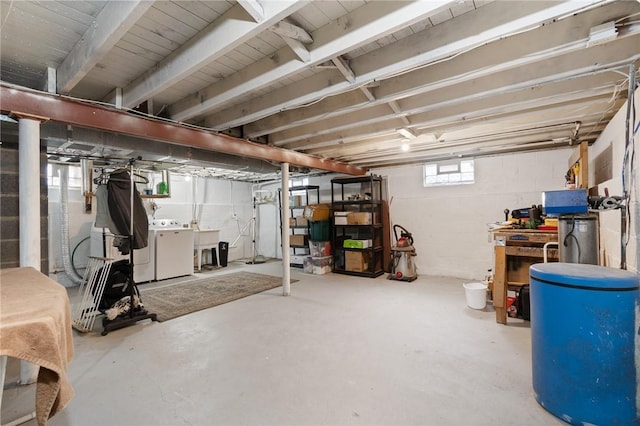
{"x": 74, "y": 252}
{"x": 572, "y": 235}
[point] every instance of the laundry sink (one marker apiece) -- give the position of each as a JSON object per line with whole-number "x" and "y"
{"x": 205, "y": 239}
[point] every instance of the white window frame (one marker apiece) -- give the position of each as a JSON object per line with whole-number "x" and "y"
{"x": 75, "y": 176}
{"x": 450, "y": 172}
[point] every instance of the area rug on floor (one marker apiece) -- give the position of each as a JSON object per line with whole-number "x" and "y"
{"x": 184, "y": 298}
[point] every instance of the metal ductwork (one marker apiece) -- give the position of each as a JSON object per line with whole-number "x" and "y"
{"x": 106, "y": 144}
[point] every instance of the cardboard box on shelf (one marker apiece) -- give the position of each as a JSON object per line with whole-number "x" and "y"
{"x": 301, "y": 221}
{"x": 298, "y": 240}
{"x": 358, "y": 244}
{"x": 356, "y": 261}
{"x": 359, "y": 218}
{"x": 340, "y": 218}
{"x": 316, "y": 212}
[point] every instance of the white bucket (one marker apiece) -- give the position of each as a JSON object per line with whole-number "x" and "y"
{"x": 476, "y": 294}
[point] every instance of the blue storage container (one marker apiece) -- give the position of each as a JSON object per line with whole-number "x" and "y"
{"x": 583, "y": 342}
{"x": 566, "y": 201}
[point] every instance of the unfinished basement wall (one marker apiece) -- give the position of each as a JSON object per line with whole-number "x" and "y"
{"x": 10, "y": 203}
{"x": 268, "y": 239}
{"x": 605, "y": 173}
{"x": 449, "y": 223}
{"x": 214, "y": 203}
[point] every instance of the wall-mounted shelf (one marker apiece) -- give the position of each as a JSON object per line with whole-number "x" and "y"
{"x": 154, "y": 196}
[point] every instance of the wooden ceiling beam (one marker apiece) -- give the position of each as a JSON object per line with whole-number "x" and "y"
{"x": 218, "y": 39}
{"x": 110, "y": 25}
{"x": 471, "y": 30}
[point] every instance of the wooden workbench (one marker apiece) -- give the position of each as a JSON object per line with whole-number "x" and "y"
{"x": 515, "y": 251}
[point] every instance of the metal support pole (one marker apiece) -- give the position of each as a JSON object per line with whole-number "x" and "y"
{"x": 286, "y": 214}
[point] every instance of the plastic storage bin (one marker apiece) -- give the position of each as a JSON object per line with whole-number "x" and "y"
{"x": 320, "y": 230}
{"x": 318, "y": 265}
{"x": 582, "y": 340}
{"x": 319, "y": 248}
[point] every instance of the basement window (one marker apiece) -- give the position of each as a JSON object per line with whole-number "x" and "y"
{"x": 53, "y": 178}
{"x": 459, "y": 172}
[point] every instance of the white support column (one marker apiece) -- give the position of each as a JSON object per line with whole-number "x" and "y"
{"x": 29, "y": 169}
{"x": 286, "y": 214}
{"x": 29, "y": 194}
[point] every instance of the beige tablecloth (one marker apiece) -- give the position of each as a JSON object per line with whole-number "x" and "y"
{"x": 35, "y": 325}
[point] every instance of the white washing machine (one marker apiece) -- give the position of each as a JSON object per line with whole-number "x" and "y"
{"x": 143, "y": 259}
{"x": 173, "y": 249}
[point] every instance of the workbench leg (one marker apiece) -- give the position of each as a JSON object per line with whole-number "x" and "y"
{"x": 500, "y": 285}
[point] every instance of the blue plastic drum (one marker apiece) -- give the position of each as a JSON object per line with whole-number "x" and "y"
{"x": 584, "y": 338}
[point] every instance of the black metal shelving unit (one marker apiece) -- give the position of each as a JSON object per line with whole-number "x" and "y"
{"x": 359, "y": 198}
{"x": 310, "y": 195}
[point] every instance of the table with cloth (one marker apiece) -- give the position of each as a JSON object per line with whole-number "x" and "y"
{"x": 35, "y": 326}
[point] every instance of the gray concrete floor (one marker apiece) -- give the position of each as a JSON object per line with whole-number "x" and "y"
{"x": 340, "y": 350}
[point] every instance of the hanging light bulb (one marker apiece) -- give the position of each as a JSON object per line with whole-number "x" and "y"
{"x": 405, "y": 145}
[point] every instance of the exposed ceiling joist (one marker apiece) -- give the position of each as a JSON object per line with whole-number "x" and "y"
{"x": 363, "y": 25}
{"x": 368, "y": 93}
{"x": 111, "y": 24}
{"x": 298, "y": 48}
{"x": 565, "y": 36}
{"x": 287, "y": 29}
{"x": 456, "y": 73}
{"x": 217, "y": 39}
{"x": 569, "y": 73}
{"x": 343, "y": 67}
{"x": 253, "y": 8}
{"x": 470, "y": 30}
{"x": 501, "y": 107}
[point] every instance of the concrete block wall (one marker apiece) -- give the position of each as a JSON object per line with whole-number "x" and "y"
{"x": 449, "y": 223}
{"x": 605, "y": 172}
{"x": 10, "y": 205}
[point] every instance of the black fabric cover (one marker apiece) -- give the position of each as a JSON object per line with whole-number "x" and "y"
{"x": 119, "y": 197}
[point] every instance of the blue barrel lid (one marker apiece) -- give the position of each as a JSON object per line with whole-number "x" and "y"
{"x": 581, "y": 275}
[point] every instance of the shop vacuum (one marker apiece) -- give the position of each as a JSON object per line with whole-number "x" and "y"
{"x": 402, "y": 266}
